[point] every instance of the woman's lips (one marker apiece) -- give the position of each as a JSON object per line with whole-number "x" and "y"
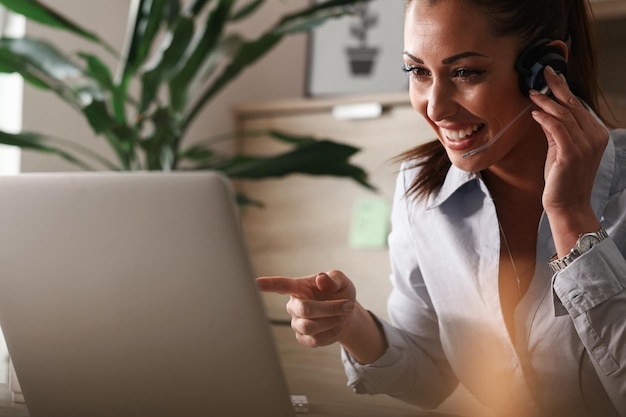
{"x": 462, "y": 139}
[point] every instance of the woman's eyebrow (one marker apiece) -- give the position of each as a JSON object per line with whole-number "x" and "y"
{"x": 450, "y": 60}
{"x": 456, "y": 57}
{"x": 419, "y": 61}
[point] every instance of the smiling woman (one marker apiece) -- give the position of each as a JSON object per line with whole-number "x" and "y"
{"x": 508, "y": 231}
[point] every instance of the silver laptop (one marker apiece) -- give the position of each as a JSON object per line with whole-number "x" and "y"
{"x": 132, "y": 295}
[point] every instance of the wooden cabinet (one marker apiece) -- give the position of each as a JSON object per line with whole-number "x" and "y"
{"x": 306, "y": 223}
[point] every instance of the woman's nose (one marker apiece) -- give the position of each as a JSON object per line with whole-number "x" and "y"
{"x": 441, "y": 104}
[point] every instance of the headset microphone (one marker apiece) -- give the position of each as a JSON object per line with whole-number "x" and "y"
{"x": 498, "y": 135}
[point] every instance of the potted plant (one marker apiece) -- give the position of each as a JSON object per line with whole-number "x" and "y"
{"x": 362, "y": 56}
{"x": 178, "y": 56}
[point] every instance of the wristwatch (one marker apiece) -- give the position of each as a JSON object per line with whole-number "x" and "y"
{"x": 585, "y": 242}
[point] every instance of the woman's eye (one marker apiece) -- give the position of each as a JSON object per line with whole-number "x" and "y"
{"x": 466, "y": 73}
{"x": 415, "y": 71}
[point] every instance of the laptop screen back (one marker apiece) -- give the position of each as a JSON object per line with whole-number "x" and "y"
{"x": 133, "y": 295}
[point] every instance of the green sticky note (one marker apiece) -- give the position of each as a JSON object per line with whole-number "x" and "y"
{"x": 370, "y": 223}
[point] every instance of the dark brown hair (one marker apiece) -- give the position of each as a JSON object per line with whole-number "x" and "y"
{"x": 530, "y": 20}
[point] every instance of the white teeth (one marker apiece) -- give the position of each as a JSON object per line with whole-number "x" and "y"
{"x": 460, "y": 134}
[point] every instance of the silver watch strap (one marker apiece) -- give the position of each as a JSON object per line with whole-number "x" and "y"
{"x": 559, "y": 264}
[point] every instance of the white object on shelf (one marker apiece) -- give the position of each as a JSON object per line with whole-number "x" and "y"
{"x": 357, "y": 111}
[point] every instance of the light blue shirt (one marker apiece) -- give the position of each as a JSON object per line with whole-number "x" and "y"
{"x": 569, "y": 353}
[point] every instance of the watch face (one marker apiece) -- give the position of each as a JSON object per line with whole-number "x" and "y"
{"x": 586, "y": 242}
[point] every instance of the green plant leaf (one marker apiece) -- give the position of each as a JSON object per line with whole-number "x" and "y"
{"x": 318, "y": 13}
{"x": 38, "y": 60}
{"x": 146, "y": 20}
{"x": 197, "y": 153}
{"x": 196, "y": 6}
{"x": 120, "y": 137}
{"x": 291, "y": 138}
{"x": 123, "y": 140}
{"x": 206, "y": 42}
{"x": 160, "y": 147}
{"x": 224, "y": 52}
{"x": 98, "y": 71}
{"x": 39, "y": 12}
{"x": 51, "y": 145}
{"x": 246, "y": 10}
{"x": 317, "y": 157}
{"x": 243, "y": 200}
{"x": 165, "y": 60}
{"x": 11, "y": 63}
{"x": 101, "y": 73}
{"x": 248, "y": 53}
{"x": 41, "y": 61}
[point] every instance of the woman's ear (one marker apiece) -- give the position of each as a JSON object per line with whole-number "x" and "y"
{"x": 562, "y": 46}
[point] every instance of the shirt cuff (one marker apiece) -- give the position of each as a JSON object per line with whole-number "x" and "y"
{"x": 371, "y": 378}
{"x": 591, "y": 279}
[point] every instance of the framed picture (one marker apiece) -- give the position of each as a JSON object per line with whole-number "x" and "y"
{"x": 360, "y": 53}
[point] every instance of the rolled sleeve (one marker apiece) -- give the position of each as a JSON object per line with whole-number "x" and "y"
{"x": 592, "y": 291}
{"x": 595, "y": 277}
{"x": 404, "y": 372}
{"x": 376, "y": 377}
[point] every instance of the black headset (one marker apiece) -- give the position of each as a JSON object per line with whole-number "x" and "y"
{"x": 532, "y": 61}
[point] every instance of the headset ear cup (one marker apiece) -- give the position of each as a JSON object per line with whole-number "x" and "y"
{"x": 533, "y": 60}
{"x": 536, "y": 80}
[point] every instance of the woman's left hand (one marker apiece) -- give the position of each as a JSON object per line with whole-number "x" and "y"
{"x": 576, "y": 143}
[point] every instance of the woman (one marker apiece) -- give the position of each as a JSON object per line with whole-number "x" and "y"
{"x": 487, "y": 289}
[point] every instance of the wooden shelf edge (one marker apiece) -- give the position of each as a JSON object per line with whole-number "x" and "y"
{"x": 322, "y": 104}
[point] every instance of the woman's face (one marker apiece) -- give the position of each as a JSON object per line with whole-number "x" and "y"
{"x": 463, "y": 81}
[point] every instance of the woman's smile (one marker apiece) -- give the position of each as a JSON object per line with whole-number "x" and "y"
{"x": 461, "y": 139}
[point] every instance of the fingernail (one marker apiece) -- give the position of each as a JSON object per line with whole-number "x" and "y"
{"x": 573, "y": 100}
{"x": 534, "y": 93}
{"x": 535, "y": 114}
{"x": 550, "y": 70}
{"x": 349, "y": 306}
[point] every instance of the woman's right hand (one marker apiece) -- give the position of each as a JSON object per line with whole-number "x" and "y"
{"x": 321, "y": 306}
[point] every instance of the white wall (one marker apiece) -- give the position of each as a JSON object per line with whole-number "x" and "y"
{"x": 278, "y": 75}
{"x": 11, "y": 93}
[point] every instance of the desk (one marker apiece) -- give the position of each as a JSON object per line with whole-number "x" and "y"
{"x": 318, "y": 374}
{"x": 7, "y": 407}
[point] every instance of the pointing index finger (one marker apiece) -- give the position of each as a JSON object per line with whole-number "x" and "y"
{"x": 296, "y": 287}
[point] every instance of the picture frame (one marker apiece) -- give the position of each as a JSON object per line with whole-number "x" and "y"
{"x": 359, "y": 53}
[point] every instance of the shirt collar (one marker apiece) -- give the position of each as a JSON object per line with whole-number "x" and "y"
{"x": 455, "y": 179}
